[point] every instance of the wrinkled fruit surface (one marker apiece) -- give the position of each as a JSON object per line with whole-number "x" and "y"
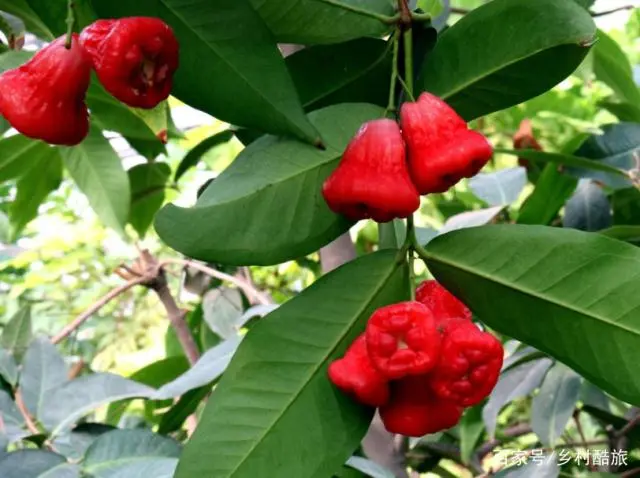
{"x": 135, "y": 58}
{"x": 402, "y": 340}
{"x": 44, "y": 98}
{"x": 441, "y": 149}
{"x": 372, "y": 180}
{"x": 442, "y": 303}
{"x": 469, "y": 364}
{"x": 414, "y": 411}
{"x": 355, "y": 375}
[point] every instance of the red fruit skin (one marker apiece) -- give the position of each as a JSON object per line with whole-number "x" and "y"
{"x": 441, "y": 148}
{"x": 402, "y": 339}
{"x": 135, "y": 58}
{"x": 355, "y": 375}
{"x": 469, "y": 365}
{"x": 442, "y": 303}
{"x": 372, "y": 180}
{"x": 414, "y": 411}
{"x": 44, "y": 98}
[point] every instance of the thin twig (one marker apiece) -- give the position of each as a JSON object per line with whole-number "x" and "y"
{"x": 513, "y": 432}
{"x": 25, "y": 414}
{"x": 628, "y": 427}
{"x": 615, "y": 10}
{"x": 460, "y": 11}
{"x": 82, "y": 318}
{"x": 576, "y": 418}
{"x": 254, "y": 295}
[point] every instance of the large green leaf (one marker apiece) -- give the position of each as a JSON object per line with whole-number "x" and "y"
{"x": 33, "y": 22}
{"x": 16, "y": 335}
{"x": 552, "y": 190}
{"x": 267, "y": 207}
{"x": 507, "y": 52}
{"x": 357, "y": 71}
{"x": 128, "y": 453}
{"x": 19, "y": 154}
{"x": 148, "y": 182}
{"x": 34, "y": 186}
{"x": 8, "y": 367}
{"x": 30, "y": 464}
{"x": 617, "y": 147}
{"x": 197, "y": 152}
{"x": 611, "y": 66}
{"x": 98, "y": 172}
{"x": 554, "y": 405}
{"x": 588, "y": 209}
{"x": 274, "y": 408}
{"x": 314, "y": 22}
{"x": 43, "y": 369}
{"x": 230, "y": 65}
{"x": 568, "y": 293}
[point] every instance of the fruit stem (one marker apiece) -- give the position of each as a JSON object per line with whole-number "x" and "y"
{"x": 408, "y": 61}
{"x": 71, "y": 19}
{"x": 410, "y": 240}
{"x": 391, "y": 106}
{"x": 361, "y": 11}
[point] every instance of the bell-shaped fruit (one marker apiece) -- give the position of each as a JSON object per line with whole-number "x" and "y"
{"x": 44, "y": 98}
{"x": 441, "y": 148}
{"x": 135, "y": 58}
{"x": 372, "y": 180}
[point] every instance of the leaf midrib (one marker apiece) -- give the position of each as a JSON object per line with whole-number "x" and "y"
{"x": 316, "y": 369}
{"x": 232, "y": 67}
{"x": 529, "y": 293}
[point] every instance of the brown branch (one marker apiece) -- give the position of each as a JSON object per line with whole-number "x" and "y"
{"x": 628, "y": 427}
{"x": 609, "y": 12}
{"x": 82, "y": 318}
{"x": 254, "y": 295}
{"x": 25, "y": 414}
{"x": 176, "y": 317}
{"x": 460, "y": 11}
{"x": 513, "y": 432}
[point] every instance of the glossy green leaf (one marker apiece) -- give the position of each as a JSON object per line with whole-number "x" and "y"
{"x": 74, "y": 444}
{"x": 588, "y": 209}
{"x": 226, "y": 42}
{"x": 500, "y": 188}
{"x": 611, "y": 66}
{"x": 70, "y": 401}
{"x": 624, "y": 111}
{"x": 178, "y": 414}
{"x": 33, "y": 188}
{"x": 153, "y": 375}
{"x": 479, "y": 217}
{"x": 471, "y": 428}
{"x": 8, "y": 367}
{"x": 314, "y": 22}
{"x": 17, "y": 333}
{"x": 554, "y": 405}
{"x": 29, "y": 464}
{"x": 618, "y": 148}
{"x": 112, "y": 115}
{"x": 19, "y": 154}
{"x": 128, "y": 453}
{"x": 596, "y": 167}
{"x": 222, "y": 309}
{"x": 267, "y": 207}
{"x": 507, "y": 52}
{"x": 258, "y": 419}
{"x": 368, "y": 467}
{"x": 565, "y": 292}
{"x": 42, "y": 370}
{"x": 552, "y": 190}
{"x": 195, "y": 154}
{"x": 358, "y": 71}
{"x": 148, "y": 182}
{"x": 515, "y": 383}
{"x": 22, "y": 10}
{"x": 64, "y": 470}
{"x": 98, "y": 172}
{"x": 623, "y": 233}
{"x": 392, "y": 234}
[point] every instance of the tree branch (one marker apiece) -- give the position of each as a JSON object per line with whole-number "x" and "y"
{"x": 82, "y": 318}
{"x": 254, "y": 295}
{"x": 460, "y": 11}
{"x": 176, "y": 317}
{"x": 513, "y": 432}
{"x": 609, "y": 12}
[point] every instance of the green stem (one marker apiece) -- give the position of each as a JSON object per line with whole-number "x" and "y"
{"x": 71, "y": 20}
{"x": 420, "y": 17}
{"x": 408, "y": 61}
{"x": 411, "y": 240}
{"x": 361, "y": 11}
{"x": 391, "y": 106}
{"x": 406, "y": 89}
